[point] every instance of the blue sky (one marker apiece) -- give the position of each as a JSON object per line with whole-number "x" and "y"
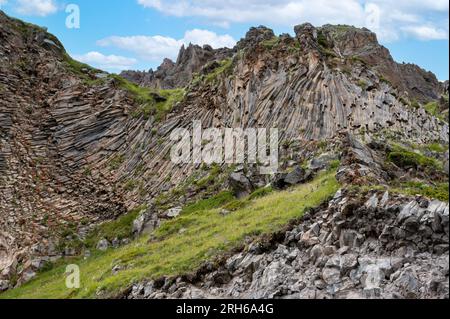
{"x": 138, "y": 34}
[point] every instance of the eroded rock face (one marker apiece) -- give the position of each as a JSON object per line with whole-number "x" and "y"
{"x": 74, "y": 148}
{"x": 376, "y": 246}
{"x": 363, "y": 44}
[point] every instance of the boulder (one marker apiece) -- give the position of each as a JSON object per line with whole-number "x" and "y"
{"x": 103, "y": 245}
{"x": 240, "y": 185}
{"x": 297, "y": 176}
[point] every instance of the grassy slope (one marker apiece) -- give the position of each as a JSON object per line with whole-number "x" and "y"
{"x": 182, "y": 244}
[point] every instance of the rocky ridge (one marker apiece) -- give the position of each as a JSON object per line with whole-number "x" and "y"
{"x": 191, "y": 60}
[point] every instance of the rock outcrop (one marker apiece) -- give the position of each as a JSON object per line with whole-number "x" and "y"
{"x": 191, "y": 60}
{"x": 377, "y": 245}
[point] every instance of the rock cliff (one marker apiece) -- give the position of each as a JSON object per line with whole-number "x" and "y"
{"x": 79, "y": 147}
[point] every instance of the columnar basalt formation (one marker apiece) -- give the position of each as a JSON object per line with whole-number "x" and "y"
{"x": 76, "y": 147}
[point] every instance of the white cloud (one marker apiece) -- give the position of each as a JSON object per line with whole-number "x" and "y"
{"x": 395, "y": 17}
{"x": 156, "y": 48}
{"x": 106, "y": 62}
{"x": 424, "y": 32}
{"x": 202, "y": 37}
{"x": 40, "y": 8}
{"x": 3, "y": 2}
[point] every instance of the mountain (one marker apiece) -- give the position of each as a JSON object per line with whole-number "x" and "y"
{"x": 85, "y": 166}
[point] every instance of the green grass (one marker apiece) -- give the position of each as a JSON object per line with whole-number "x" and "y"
{"x": 181, "y": 245}
{"x": 405, "y": 159}
{"x": 436, "y": 147}
{"x": 415, "y": 104}
{"x": 322, "y": 40}
{"x": 210, "y": 179}
{"x": 224, "y": 68}
{"x": 432, "y": 108}
{"x": 413, "y": 188}
{"x": 362, "y": 84}
{"x": 82, "y": 70}
{"x": 384, "y": 80}
{"x": 271, "y": 43}
{"x": 172, "y": 97}
{"x": 213, "y": 202}
{"x": 438, "y": 191}
{"x": 145, "y": 97}
{"x": 120, "y": 228}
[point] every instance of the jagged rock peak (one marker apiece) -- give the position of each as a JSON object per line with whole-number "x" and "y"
{"x": 190, "y": 60}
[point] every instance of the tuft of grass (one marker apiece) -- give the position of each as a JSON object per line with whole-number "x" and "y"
{"x": 120, "y": 228}
{"x": 415, "y": 104}
{"x": 206, "y": 233}
{"x": 225, "y": 67}
{"x": 261, "y": 192}
{"x": 271, "y": 43}
{"x": 438, "y": 191}
{"x": 172, "y": 97}
{"x": 210, "y": 203}
{"x": 116, "y": 161}
{"x": 436, "y": 147}
{"x": 82, "y": 70}
{"x": 432, "y": 108}
{"x": 406, "y": 159}
{"x": 322, "y": 40}
{"x": 362, "y": 84}
{"x": 384, "y": 80}
{"x": 211, "y": 178}
{"x": 131, "y": 185}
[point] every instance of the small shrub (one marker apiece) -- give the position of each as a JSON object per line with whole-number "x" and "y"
{"x": 414, "y": 104}
{"x": 406, "y": 159}
{"x": 362, "y": 84}
{"x": 269, "y": 44}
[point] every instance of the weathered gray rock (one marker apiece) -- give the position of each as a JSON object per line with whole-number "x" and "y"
{"x": 173, "y": 212}
{"x": 4, "y": 285}
{"x": 103, "y": 245}
{"x": 240, "y": 184}
{"x": 306, "y": 266}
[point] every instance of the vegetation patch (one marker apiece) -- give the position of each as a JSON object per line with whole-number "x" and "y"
{"x": 415, "y": 104}
{"x": 181, "y": 245}
{"x": 120, "y": 228}
{"x": 436, "y": 147}
{"x": 406, "y": 159}
{"x": 271, "y": 43}
{"x": 438, "y": 191}
{"x": 225, "y": 67}
{"x": 433, "y": 109}
{"x": 362, "y": 84}
{"x": 82, "y": 70}
{"x": 322, "y": 40}
{"x": 151, "y": 102}
{"x": 116, "y": 161}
